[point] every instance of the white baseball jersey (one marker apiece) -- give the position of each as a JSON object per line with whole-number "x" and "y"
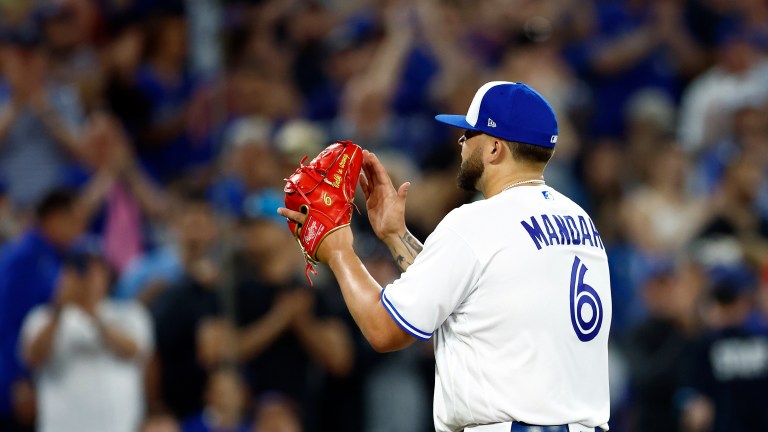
{"x": 515, "y": 292}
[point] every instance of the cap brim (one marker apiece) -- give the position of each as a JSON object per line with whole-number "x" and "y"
{"x": 455, "y": 120}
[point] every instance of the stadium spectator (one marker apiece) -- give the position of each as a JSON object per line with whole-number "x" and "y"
{"x": 29, "y": 268}
{"x": 163, "y": 144}
{"x": 656, "y": 349}
{"x": 121, "y": 60}
{"x": 277, "y": 413}
{"x": 68, "y": 31}
{"x": 88, "y": 353}
{"x": 192, "y": 236}
{"x": 739, "y": 78}
{"x": 224, "y": 411}
{"x": 287, "y": 334}
{"x": 248, "y": 165}
{"x": 638, "y": 44}
{"x": 660, "y": 216}
{"x": 40, "y": 120}
{"x": 735, "y": 214}
{"x": 727, "y": 371}
{"x": 180, "y": 307}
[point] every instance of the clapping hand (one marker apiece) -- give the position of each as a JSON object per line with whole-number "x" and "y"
{"x": 386, "y": 206}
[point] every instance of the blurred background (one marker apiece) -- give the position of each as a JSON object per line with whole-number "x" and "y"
{"x": 146, "y": 283}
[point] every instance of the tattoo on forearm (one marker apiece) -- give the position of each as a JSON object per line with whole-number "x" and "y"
{"x": 411, "y": 243}
{"x": 405, "y": 255}
{"x": 402, "y": 264}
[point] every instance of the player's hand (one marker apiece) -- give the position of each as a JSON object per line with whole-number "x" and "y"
{"x": 339, "y": 240}
{"x": 294, "y": 216}
{"x": 386, "y": 206}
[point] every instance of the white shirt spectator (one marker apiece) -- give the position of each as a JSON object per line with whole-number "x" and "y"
{"x": 710, "y": 100}
{"x": 84, "y": 386}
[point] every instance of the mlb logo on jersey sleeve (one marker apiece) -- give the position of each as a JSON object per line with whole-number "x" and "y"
{"x": 547, "y": 195}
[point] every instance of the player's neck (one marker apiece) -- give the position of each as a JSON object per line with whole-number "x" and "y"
{"x": 520, "y": 177}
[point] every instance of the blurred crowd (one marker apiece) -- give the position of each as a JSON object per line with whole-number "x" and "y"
{"x": 146, "y": 283}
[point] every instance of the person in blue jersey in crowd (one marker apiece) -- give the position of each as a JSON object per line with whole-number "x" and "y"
{"x": 29, "y": 269}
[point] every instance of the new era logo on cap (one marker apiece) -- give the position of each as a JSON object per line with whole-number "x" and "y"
{"x": 515, "y": 112}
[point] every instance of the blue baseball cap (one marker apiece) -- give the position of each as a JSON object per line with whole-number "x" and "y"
{"x": 511, "y": 111}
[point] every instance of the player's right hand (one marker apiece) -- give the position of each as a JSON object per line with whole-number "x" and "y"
{"x": 386, "y": 206}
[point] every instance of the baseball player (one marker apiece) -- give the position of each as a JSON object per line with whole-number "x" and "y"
{"x": 513, "y": 289}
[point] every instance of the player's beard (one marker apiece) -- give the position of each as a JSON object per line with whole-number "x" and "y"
{"x": 470, "y": 172}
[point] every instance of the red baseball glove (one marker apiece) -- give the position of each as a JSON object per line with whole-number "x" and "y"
{"x": 323, "y": 190}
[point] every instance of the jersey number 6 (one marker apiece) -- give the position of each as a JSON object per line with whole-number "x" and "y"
{"x": 586, "y": 308}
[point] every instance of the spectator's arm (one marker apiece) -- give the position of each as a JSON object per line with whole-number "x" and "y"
{"x": 133, "y": 338}
{"x": 150, "y": 290}
{"x": 94, "y": 193}
{"x": 160, "y": 134}
{"x": 620, "y": 54}
{"x": 328, "y": 342}
{"x": 105, "y": 130}
{"x": 37, "y": 350}
{"x": 385, "y": 70}
{"x": 62, "y": 126}
{"x": 152, "y": 199}
{"x": 581, "y": 18}
{"x": 637, "y": 223}
{"x": 118, "y": 341}
{"x": 8, "y": 114}
{"x": 691, "y": 59}
{"x": 456, "y": 66}
{"x": 38, "y": 332}
{"x": 62, "y": 133}
{"x": 258, "y": 336}
{"x": 153, "y": 385}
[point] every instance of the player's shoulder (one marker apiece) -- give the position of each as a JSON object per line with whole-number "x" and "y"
{"x": 467, "y": 213}
{"x": 525, "y": 201}
{"x": 553, "y": 194}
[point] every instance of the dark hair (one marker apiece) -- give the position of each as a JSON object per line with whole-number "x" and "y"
{"x": 530, "y": 153}
{"x": 79, "y": 260}
{"x": 56, "y": 200}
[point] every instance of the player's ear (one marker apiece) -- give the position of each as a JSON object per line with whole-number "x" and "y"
{"x": 495, "y": 151}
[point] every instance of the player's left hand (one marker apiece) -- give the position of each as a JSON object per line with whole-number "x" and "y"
{"x": 323, "y": 190}
{"x": 339, "y": 240}
{"x": 293, "y": 216}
